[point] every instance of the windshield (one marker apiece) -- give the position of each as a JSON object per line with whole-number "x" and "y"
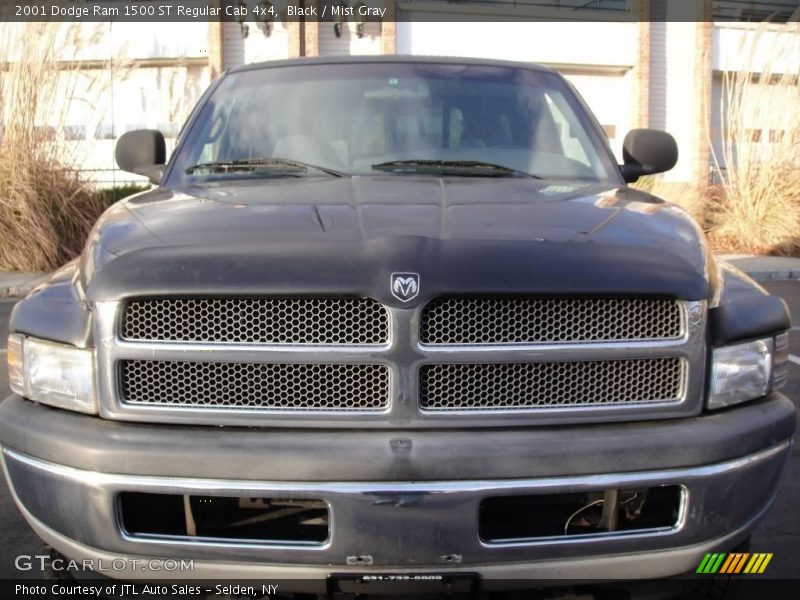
{"x": 369, "y": 118}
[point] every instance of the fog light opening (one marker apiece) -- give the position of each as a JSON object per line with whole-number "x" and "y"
{"x": 602, "y": 512}
{"x": 224, "y": 518}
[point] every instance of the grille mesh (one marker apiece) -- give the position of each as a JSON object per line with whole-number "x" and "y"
{"x": 309, "y": 387}
{"x": 541, "y": 385}
{"x": 521, "y": 320}
{"x": 257, "y": 320}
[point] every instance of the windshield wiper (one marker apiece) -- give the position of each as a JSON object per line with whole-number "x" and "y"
{"x": 454, "y": 167}
{"x": 250, "y": 165}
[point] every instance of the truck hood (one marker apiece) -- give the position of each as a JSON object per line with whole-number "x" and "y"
{"x": 315, "y": 235}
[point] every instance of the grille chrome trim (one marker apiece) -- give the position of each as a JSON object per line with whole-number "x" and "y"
{"x": 263, "y": 386}
{"x": 404, "y": 355}
{"x": 312, "y": 321}
{"x": 517, "y": 321}
{"x": 516, "y": 386}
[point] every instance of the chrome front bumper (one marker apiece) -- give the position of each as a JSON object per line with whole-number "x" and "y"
{"x": 408, "y": 526}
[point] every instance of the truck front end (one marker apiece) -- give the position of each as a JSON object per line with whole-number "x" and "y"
{"x": 470, "y": 360}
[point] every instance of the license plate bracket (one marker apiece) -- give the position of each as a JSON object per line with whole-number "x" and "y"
{"x": 403, "y": 583}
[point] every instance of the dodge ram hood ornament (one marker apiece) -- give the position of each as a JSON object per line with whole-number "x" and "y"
{"x": 405, "y": 286}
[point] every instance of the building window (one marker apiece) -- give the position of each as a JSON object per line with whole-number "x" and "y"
{"x": 776, "y": 11}
{"x": 754, "y": 135}
{"x": 105, "y": 132}
{"x": 74, "y": 133}
{"x": 45, "y": 133}
{"x": 776, "y": 135}
{"x": 577, "y": 8}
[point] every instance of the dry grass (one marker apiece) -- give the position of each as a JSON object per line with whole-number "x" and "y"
{"x": 755, "y": 207}
{"x": 46, "y": 209}
{"x": 759, "y": 166}
{"x": 46, "y": 212}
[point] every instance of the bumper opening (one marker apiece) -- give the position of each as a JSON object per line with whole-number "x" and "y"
{"x": 225, "y": 518}
{"x": 518, "y": 518}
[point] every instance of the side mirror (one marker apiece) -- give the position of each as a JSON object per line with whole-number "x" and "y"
{"x": 143, "y": 152}
{"x": 647, "y": 151}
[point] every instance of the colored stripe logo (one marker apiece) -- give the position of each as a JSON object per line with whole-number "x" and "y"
{"x": 734, "y": 563}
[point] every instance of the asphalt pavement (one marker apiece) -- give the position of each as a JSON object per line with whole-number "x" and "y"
{"x": 779, "y": 533}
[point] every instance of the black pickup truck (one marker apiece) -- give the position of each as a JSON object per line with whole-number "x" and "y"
{"x": 396, "y": 319}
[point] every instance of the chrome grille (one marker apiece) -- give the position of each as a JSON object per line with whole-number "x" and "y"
{"x": 532, "y": 320}
{"x": 307, "y": 387}
{"x": 398, "y": 384}
{"x": 343, "y": 321}
{"x": 542, "y": 385}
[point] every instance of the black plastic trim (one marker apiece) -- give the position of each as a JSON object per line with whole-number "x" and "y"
{"x": 746, "y": 311}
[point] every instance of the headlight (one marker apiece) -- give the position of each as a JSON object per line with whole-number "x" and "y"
{"x": 741, "y": 372}
{"x": 53, "y": 374}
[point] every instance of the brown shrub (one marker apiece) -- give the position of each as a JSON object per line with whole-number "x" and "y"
{"x": 46, "y": 208}
{"x": 46, "y": 212}
{"x": 759, "y": 164}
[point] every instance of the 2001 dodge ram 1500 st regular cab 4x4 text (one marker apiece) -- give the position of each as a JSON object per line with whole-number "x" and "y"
{"x": 397, "y": 316}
